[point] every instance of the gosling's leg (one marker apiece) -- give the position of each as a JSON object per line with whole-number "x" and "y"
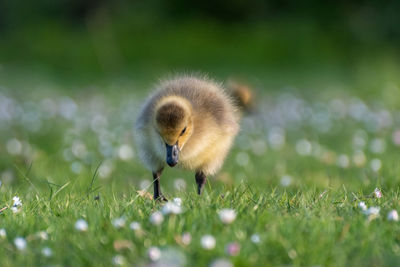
{"x": 157, "y": 190}
{"x": 200, "y": 181}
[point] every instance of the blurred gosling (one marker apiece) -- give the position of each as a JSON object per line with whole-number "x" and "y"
{"x": 188, "y": 122}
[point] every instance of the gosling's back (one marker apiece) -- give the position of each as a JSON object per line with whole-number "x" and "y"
{"x": 206, "y": 96}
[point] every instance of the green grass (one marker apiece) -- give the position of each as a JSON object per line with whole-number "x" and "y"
{"x": 297, "y": 228}
{"x": 315, "y": 220}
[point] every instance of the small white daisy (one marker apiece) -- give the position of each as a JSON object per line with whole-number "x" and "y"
{"x": 154, "y": 253}
{"x": 255, "y": 238}
{"x": 42, "y": 235}
{"x": 17, "y": 203}
{"x": 125, "y": 152}
{"x": 393, "y": 216}
{"x": 186, "y": 238}
{"x": 14, "y": 209}
{"x": 227, "y": 216}
{"x": 177, "y": 201}
{"x": 303, "y": 147}
{"x": 3, "y": 233}
{"x": 207, "y": 242}
{"x": 375, "y": 165}
{"x": 377, "y": 193}
{"x": 118, "y": 222}
{"x": 362, "y": 205}
{"x": 14, "y": 146}
{"x": 242, "y": 158}
{"x": 233, "y": 249}
{"x": 81, "y": 225}
{"x": 343, "y": 161}
{"x": 372, "y": 211}
{"x": 221, "y": 262}
{"x": 156, "y": 218}
{"x": 135, "y": 226}
{"x": 47, "y": 252}
{"x": 20, "y": 243}
{"x": 171, "y": 208}
{"x": 118, "y": 260}
{"x": 286, "y": 180}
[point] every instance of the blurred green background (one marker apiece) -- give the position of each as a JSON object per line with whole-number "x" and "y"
{"x": 324, "y": 136}
{"x": 308, "y": 44}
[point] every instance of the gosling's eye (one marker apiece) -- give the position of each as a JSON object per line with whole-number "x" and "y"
{"x": 183, "y": 131}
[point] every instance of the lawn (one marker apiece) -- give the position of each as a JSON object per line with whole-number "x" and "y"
{"x": 312, "y": 180}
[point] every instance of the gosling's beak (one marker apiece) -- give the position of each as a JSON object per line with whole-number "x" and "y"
{"x": 172, "y": 154}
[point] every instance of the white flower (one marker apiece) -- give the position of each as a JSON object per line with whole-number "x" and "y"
{"x": 393, "y": 216}
{"x": 156, "y": 218}
{"x": 3, "y": 232}
{"x": 233, "y": 249}
{"x": 14, "y": 209}
{"x": 276, "y": 138}
{"x": 17, "y": 201}
{"x": 255, "y": 238}
{"x": 343, "y": 161}
{"x": 227, "y": 216}
{"x": 42, "y": 235}
{"x": 135, "y": 226}
{"x": 171, "y": 207}
{"x": 286, "y": 180}
{"x": 79, "y": 149}
{"x": 177, "y": 201}
{"x": 376, "y": 165}
{"x": 207, "y": 242}
{"x": 76, "y": 167}
{"x": 303, "y": 147}
{"x": 154, "y": 253}
{"x": 362, "y": 205}
{"x": 16, "y": 204}
{"x": 118, "y": 222}
{"x": 125, "y": 152}
{"x": 242, "y": 158}
{"x": 186, "y": 238}
{"x": 118, "y": 260}
{"x": 221, "y": 263}
{"x": 81, "y": 225}
{"x": 106, "y": 169}
{"x": 20, "y": 243}
{"x": 14, "y": 146}
{"x": 377, "y": 193}
{"x": 372, "y": 211}
{"x": 47, "y": 252}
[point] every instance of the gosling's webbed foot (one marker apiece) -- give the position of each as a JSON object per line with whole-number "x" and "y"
{"x": 161, "y": 198}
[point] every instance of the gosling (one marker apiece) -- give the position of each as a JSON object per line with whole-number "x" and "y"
{"x": 188, "y": 122}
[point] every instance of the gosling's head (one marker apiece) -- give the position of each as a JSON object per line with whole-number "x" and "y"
{"x": 173, "y": 122}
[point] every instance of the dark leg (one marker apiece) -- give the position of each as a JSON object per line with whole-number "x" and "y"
{"x": 157, "y": 190}
{"x": 200, "y": 181}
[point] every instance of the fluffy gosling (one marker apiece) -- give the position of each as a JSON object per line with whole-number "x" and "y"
{"x": 187, "y": 122}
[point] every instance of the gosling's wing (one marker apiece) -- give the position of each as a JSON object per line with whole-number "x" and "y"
{"x": 149, "y": 146}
